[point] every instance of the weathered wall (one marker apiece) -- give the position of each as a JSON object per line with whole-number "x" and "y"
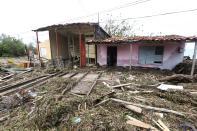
{"x": 171, "y": 56}
{"x": 62, "y": 47}
{"x": 46, "y": 45}
{"x": 102, "y": 55}
{"x": 52, "y": 44}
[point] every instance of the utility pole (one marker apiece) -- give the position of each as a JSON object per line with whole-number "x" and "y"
{"x": 194, "y": 59}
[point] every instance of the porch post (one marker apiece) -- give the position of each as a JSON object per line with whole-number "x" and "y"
{"x": 130, "y": 48}
{"x": 194, "y": 59}
{"x": 88, "y": 56}
{"x": 38, "y": 47}
{"x": 82, "y": 50}
{"x": 56, "y": 42}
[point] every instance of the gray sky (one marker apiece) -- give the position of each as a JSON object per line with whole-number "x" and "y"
{"x": 19, "y": 17}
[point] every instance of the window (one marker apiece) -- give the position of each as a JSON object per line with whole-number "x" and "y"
{"x": 159, "y": 50}
{"x": 151, "y": 55}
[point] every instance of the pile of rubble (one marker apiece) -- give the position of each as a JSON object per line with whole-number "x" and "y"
{"x": 184, "y": 67}
{"x": 126, "y": 100}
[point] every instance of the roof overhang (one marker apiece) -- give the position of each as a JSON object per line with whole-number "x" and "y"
{"x": 148, "y": 39}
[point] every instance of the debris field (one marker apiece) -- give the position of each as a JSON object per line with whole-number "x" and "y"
{"x": 97, "y": 99}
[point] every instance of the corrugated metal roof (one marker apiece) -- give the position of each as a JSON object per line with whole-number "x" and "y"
{"x": 59, "y": 26}
{"x": 119, "y": 40}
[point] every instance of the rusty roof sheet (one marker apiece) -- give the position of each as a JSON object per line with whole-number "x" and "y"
{"x": 133, "y": 39}
{"x": 60, "y": 26}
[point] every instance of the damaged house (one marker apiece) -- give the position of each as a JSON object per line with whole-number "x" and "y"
{"x": 163, "y": 52}
{"x": 68, "y": 41}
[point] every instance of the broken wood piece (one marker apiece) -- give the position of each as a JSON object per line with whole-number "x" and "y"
{"x": 76, "y": 94}
{"x": 121, "y": 85}
{"x": 134, "y": 108}
{"x": 139, "y": 99}
{"x": 166, "y": 87}
{"x": 158, "y": 124}
{"x": 94, "y": 84}
{"x": 148, "y": 107}
{"x": 107, "y": 85}
{"x": 136, "y": 92}
{"x": 138, "y": 123}
{"x": 102, "y": 102}
{"x": 193, "y": 93}
{"x": 4, "y": 118}
{"x": 165, "y": 128}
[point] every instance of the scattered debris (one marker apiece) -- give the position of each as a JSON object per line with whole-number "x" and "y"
{"x": 148, "y": 107}
{"x": 177, "y": 78}
{"x": 51, "y": 105}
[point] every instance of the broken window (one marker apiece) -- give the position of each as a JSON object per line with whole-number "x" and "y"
{"x": 159, "y": 50}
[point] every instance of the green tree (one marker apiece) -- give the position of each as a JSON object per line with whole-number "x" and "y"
{"x": 11, "y": 47}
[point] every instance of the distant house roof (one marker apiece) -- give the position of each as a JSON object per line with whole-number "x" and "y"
{"x": 76, "y": 26}
{"x": 133, "y": 39}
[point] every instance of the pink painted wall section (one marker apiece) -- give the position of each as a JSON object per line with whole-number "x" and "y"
{"x": 102, "y": 55}
{"x": 171, "y": 55}
{"x": 123, "y": 52}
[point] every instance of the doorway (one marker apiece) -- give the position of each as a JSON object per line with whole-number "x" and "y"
{"x": 111, "y": 56}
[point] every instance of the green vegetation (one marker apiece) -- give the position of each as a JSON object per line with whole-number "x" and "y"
{"x": 11, "y": 47}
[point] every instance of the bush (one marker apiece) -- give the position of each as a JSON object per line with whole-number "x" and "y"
{"x": 11, "y": 47}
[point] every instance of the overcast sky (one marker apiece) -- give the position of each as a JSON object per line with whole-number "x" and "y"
{"x": 19, "y": 17}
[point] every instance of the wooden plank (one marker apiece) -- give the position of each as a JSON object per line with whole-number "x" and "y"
{"x": 148, "y": 107}
{"x": 138, "y": 123}
{"x": 121, "y": 85}
{"x": 165, "y": 128}
{"x": 134, "y": 108}
{"x": 93, "y": 84}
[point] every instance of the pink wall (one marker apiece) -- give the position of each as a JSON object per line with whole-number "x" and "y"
{"x": 102, "y": 55}
{"x": 123, "y": 58}
{"x": 171, "y": 55}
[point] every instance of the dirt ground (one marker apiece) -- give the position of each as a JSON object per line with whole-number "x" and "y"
{"x": 53, "y": 110}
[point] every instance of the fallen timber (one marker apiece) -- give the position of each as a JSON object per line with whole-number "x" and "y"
{"x": 26, "y": 84}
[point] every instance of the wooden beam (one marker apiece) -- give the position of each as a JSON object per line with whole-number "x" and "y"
{"x": 148, "y": 107}
{"x": 82, "y": 50}
{"x": 57, "y": 42}
{"x": 194, "y": 59}
{"x": 88, "y": 55}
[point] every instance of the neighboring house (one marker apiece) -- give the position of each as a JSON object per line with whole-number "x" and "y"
{"x": 68, "y": 41}
{"x": 45, "y": 50}
{"x": 163, "y": 52}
